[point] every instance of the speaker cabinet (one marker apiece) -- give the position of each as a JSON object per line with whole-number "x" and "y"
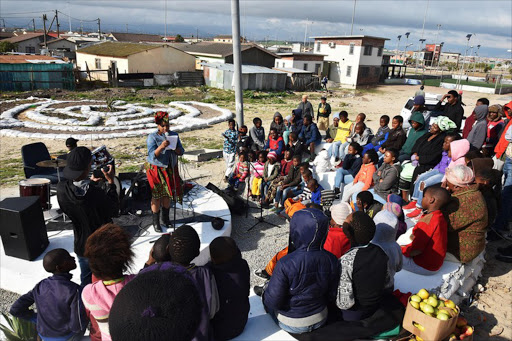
{"x": 23, "y": 229}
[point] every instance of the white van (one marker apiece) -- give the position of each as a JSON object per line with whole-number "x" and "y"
{"x": 430, "y": 102}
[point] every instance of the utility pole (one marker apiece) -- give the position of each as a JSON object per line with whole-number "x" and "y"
{"x": 468, "y": 37}
{"x": 353, "y": 16}
{"x": 197, "y": 35}
{"x": 305, "y": 35}
{"x": 424, "y": 19}
{"x": 407, "y": 34}
{"x": 99, "y": 28}
{"x": 44, "y": 30}
{"x": 81, "y": 28}
{"x": 397, "y": 45}
{"x": 57, "y": 21}
{"x": 69, "y": 19}
{"x": 165, "y": 20}
{"x": 34, "y": 24}
{"x": 476, "y": 58}
{"x": 126, "y": 26}
{"x": 237, "y": 61}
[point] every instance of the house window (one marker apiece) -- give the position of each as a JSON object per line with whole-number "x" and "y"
{"x": 318, "y": 46}
{"x": 367, "y": 50}
{"x": 376, "y": 71}
{"x": 305, "y": 66}
{"x": 317, "y": 68}
{"x": 351, "y": 48}
{"x": 379, "y": 51}
{"x": 30, "y": 49}
{"x": 349, "y": 71}
{"x": 365, "y": 71}
{"x": 97, "y": 63}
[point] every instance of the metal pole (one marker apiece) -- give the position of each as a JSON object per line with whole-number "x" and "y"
{"x": 305, "y": 36}
{"x": 57, "y": 21}
{"x": 34, "y": 24}
{"x": 237, "y": 60}
{"x": 463, "y": 62}
{"x": 424, "y": 19}
{"x": 99, "y": 28}
{"x": 165, "y": 21}
{"x": 353, "y": 16}
{"x": 44, "y": 30}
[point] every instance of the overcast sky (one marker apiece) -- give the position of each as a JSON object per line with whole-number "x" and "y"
{"x": 489, "y": 21}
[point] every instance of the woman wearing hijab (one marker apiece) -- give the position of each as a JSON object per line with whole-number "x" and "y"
{"x": 467, "y": 215}
{"x": 162, "y": 170}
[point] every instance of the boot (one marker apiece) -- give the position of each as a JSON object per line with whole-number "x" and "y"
{"x": 165, "y": 217}
{"x": 156, "y": 222}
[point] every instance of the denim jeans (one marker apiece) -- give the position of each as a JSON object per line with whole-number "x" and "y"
{"x": 429, "y": 178}
{"x": 85, "y": 271}
{"x": 343, "y": 177}
{"x": 343, "y": 150}
{"x": 334, "y": 149}
{"x": 282, "y": 195}
{"x": 297, "y": 330}
{"x": 504, "y": 214}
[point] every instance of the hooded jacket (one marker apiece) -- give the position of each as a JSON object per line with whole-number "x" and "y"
{"x": 386, "y": 224}
{"x": 279, "y": 127}
{"x": 458, "y": 149}
{"x": 305, "y": 280}
{"x": 503, "y": 143}
{"x": 362, "y": 139}
{"x": 297, "y": 121}
{"x": 87, "y": 212}
{"x": 453, "y": 112}
{"x": 258, "y": 136}
{"x": 310, "y": 134}
{"x": 414, "y": 134}
{"x": 387, "y": 182}
{"x": 478, "y": 132}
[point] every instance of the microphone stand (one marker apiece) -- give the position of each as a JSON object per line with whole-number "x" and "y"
{"x": 261, "y": 218}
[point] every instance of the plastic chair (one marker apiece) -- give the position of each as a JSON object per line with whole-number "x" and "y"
{"x": 31, "y": 154}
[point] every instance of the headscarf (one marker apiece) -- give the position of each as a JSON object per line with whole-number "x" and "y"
{"x": 161, "y": 117}
{"x": 340, "y": 212}
{"x": 460, "y": 175}
{"x": 444, "y": 123}
{"x": 336, "y": 115}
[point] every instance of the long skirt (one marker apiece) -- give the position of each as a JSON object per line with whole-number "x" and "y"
{"x": 164, "y": 182}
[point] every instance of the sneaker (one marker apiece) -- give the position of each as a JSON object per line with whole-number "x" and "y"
{"x": 411, "y": 205}
{"x": 262, "y": 273}
{"x": 275, "y": 209}
{"x": 258, "y": 290}
{"x": 414, "y": 213}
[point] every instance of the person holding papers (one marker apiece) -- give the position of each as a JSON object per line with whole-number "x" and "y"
{"x": 164, "y": 147}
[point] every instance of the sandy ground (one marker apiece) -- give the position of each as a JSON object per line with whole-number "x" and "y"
{"x": 491, "y": 312}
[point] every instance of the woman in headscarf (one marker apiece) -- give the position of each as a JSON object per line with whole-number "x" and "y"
{"x": 162, "y": 170}
{"x": 426, "y": 153}
{"x": 467, "y": 215}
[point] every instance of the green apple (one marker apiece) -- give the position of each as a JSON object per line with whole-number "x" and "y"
{"x": 423, "y": 293}
{"x": 415, "y": 304}
{"x": 442, "y": 316}
{"x": 432, "y": 301}
{"x": 415, "y": 298}
{"x": 428, "y": 309}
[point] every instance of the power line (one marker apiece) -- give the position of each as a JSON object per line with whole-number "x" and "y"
{"x": 67, "y": 15}
{"x": 38, "y": 12}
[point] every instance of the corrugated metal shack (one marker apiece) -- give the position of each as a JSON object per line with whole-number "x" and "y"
{"x": 253, "y": 77}
{"x": 300, "y": 80}
{"x": 31, "y": 72}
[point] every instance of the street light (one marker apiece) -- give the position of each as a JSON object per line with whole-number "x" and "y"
{"x": 406, "y": 45}
{"x": 420, "y": 46}
{"x": 439, "y": 58}
{"x": 476, "y": 58}
{"x": 468, "y": 37}
{"x": 397, "y": 45}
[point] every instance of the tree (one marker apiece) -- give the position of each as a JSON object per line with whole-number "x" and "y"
{"x": 7, "y": 46}
{"x": 179, "y": 38}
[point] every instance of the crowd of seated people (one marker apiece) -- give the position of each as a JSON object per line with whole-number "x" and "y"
{"x": 454, "y": 188}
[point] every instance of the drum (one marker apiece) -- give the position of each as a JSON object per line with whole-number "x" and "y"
{"x": 36, "y": 187}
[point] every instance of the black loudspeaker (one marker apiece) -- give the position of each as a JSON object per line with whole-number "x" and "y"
{"x": 236, "y": 205}
{"x": 23, "y": 230}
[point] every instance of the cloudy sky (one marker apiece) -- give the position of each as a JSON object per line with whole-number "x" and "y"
{"x": 489, "y": 21}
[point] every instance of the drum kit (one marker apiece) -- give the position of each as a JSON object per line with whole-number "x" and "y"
{"x": 41, "y": 187}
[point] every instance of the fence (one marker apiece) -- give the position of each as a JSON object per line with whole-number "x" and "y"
{"x": 27, "y": 77}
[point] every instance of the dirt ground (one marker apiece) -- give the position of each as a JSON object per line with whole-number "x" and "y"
{"x": 491, "y": 312}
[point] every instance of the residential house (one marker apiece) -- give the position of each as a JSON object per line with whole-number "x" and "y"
{"x": 211, "y": 52}
{"x": 449, "y": 57}
{"x": 301, "y": 60}
{"x": 28, "y": 42}
{"x": 227, "y": 39}
{"x": 5, "y": 35}
{"x": 299, "y": 79}
{"x": 133, "y": 58}
{"x": 62, "y": 47}
{"x": 136, "y": 37}
{"x": 351, "y": 60}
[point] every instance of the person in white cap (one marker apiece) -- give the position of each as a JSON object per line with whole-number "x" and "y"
{"x": 336, "y": 242}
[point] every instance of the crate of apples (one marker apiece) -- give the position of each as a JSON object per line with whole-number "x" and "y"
{"x": 463, "y": 331}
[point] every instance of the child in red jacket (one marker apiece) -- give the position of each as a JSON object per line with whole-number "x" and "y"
{"x": 425, "y": 255}
{"x": 337, "y": 242}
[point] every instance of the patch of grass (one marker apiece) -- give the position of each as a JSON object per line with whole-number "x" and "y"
{"x": 11, "y": 171}
{"x": 181, "y": 159}
{"x": 368, "y": 90}
{"x": 128, "y": 168}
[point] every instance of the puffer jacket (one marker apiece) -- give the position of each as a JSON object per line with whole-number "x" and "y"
{"x": 310, "y": 134}
{"x": 305, "y": 280}
{"x": 414, "y": 134}
{"x": 386, "y": 179}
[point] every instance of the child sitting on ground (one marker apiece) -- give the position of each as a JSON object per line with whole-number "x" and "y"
{"x": 60, "y": 312}
{"x": 381, "y": 136}
{"x": 364, "y": 178}
{"x": 425, "y": 255}
{"x": 232, "y": 274}
{"x": 292, "y": 177}
{"x": 257, "y": 135}
{"x": 109, "y": 253}
{"x": 270, "y": 173}
{"x": 244, "y": 143}
{"x": 240, "y": 172}
{"x": 366, "y": 203}
{"x": 159, "y": 252}
{"x": 184, "y": 246}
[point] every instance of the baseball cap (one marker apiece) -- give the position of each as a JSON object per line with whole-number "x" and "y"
{"x": 71, "y": 142}
{"x": 78, "y": 160}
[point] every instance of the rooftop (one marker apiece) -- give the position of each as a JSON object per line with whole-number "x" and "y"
{"x": 348, "y": 37}
{"x": 135, "y": 37}
{"x": 222, "y": 50}
{"x": 292, "y": 70}
{"x": 23, "y": 37}
{"x": 27, "y": 58}
{"x": 247, "y": 69}
{"x": 116, "y": 49}
{"x": 286, "y": 54}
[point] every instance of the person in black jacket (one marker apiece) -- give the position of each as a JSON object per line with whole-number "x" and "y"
{"x": 85, "y": 202}
{"x": 232, "y": 276}
{"x": 453, "y": 108}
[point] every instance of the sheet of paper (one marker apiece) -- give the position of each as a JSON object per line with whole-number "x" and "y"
{"x": 173, "y": 142}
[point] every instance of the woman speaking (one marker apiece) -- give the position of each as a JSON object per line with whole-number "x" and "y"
{"x": 164, "y": 147}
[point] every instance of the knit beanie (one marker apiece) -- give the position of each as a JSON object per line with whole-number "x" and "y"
{"x": 156, "y": 305}
{"x": 184, "y": 245}
{"x": 340, "y": 212}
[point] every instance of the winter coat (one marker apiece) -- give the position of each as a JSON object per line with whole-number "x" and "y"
{"x": 233, "y": 285}
{"x": 296, "y": 149}
{"x": 414, "y": 134}
{"x": 258, "y": 137}
{"x": 386, "y": 224}
{"x": 279, "y": 127}
{"x": 478, "y": 132}
{"x": 352, "y": 163}
{"x": 88, "y": 212}
{"x": 381, "y": 136}
{"x": 307, "y": 109}
{"x": 453, "y": 112}
{"x": 60, "y": 311}
{"x": 293, "y": 178}
{"x": 274, "y": 173}
{"x": 396, "y": 139}
{"x": 362, "y": 139}
{"x": 297, "y": 115}
{"x": 387, "y": 182}
{"x": 365, "y": 175}
{"x": 310, "y": 134}
{"x": 305, "y": 280}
